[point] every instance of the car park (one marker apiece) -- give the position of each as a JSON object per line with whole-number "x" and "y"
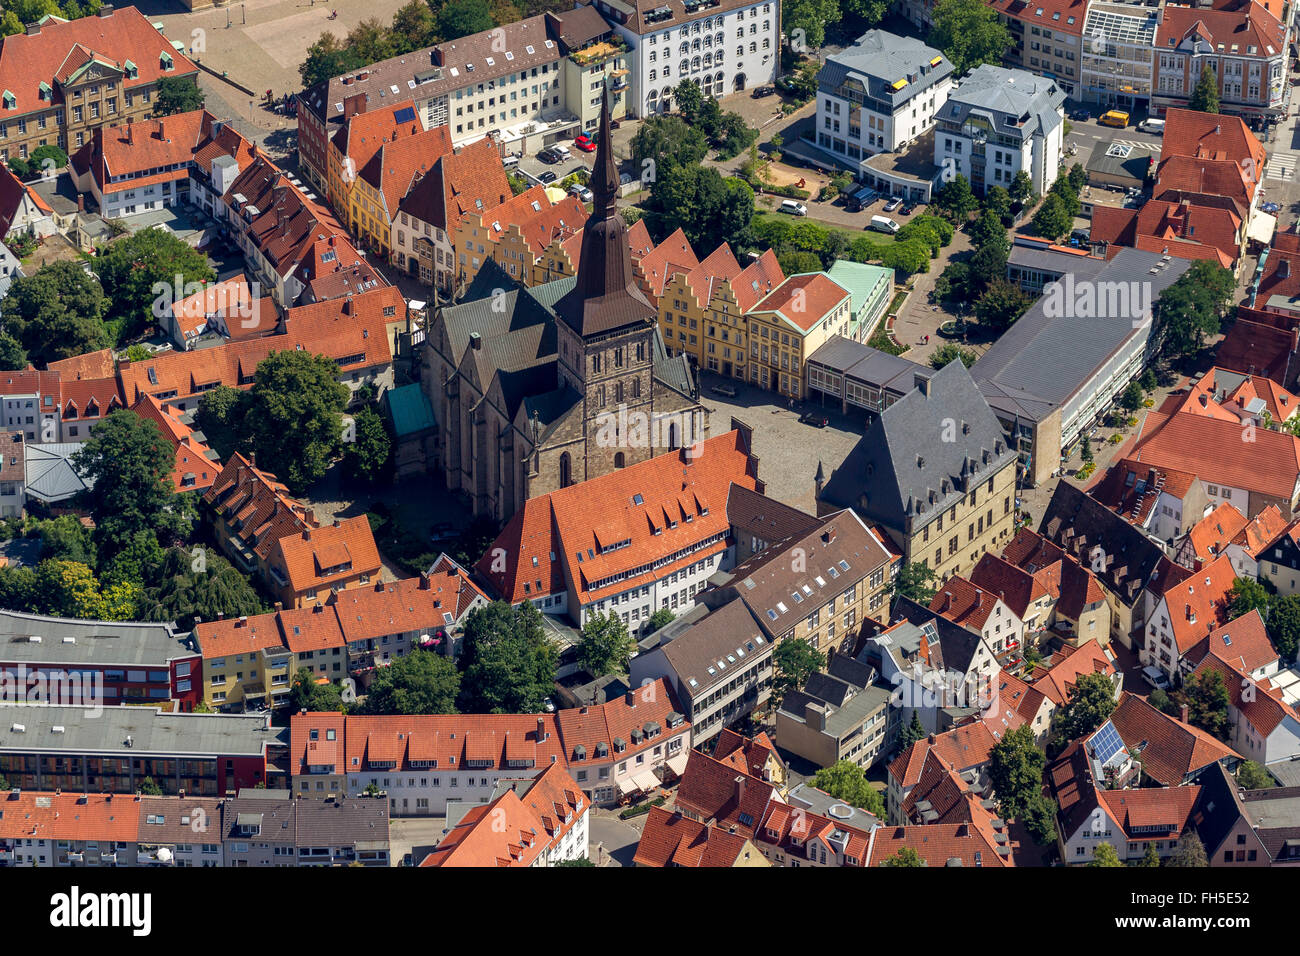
{"x": 815, "y": 419}
{"x": 582, "y": 192}
{"x": 547, "y": 177}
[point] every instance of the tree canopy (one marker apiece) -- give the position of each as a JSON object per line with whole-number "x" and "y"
{"x": 969, "y": 33}
{"x": 606, "y": 645}
{"x": 794, "y": 661}
{"x": 906, "y": 856}
{"x": 1191, "y": 308}
{"x": 177, "y": 94}
{"x": 1092, "y": 699}
{"x": 1205, "y": 95}
{"x": 198, "y": 583}
{"x": 140, "y": 271}
{"x": 844, "y": 780}
{"x": 916, "y": 581}
{"x": 507, "y": 663}
{"x": 56, "y": 313}
{"x": 1189, "y": 853}
{"x": 418, "y": 682}
{"x": 295, "y": 416}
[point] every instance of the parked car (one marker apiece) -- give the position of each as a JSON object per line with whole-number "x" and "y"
{"x": 584, "y": 143}
{"x": 549, "y": 156}
{"x": 1116, "y": 118}
{"x": 548, "y": 177}
{"x": 793, "y": 208}
{"x": 442, "y": 531}
{"x": 883, "y": 224}
{"x": 814, "y": 419}
{"x": 728, "y": 390}
{"x": 908, "y": 208}
{"x": 582, "y": 192}
{"x": 762, "y": 91}
{"x": 1155, "y": 677}
{"x": 624, "y": 179}
{"x": 1152, "y": 126}
{"x": 894, "y": 203}
{"x": 1270, "y": 207}
{"x": 1081, "y": 115}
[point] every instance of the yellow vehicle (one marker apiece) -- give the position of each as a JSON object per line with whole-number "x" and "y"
{"x": 1114, "y": 118}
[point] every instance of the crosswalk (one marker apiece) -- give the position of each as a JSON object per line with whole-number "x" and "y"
{"x": 1281, "y": 166}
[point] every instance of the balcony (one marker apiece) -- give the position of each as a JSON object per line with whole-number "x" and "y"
{"x": 156, "y": 856}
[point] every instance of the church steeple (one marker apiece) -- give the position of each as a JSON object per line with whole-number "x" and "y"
{"x": 605, "y": 296}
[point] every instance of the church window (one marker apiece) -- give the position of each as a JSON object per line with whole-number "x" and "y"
{"x": 619, "y": 460}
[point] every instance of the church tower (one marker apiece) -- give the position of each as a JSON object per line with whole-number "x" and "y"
{"x": 605, "y": 335}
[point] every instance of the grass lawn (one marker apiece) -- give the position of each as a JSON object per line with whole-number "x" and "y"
{"x": 879, "y": 238}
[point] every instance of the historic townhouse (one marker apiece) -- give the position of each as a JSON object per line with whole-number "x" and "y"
{"x": 1048, "y": 38}
{"x": 64, "y": 79}
{"x": 790, "y": 323}
{"x": 385, "y": 178}
{"x": 514, "y": 234}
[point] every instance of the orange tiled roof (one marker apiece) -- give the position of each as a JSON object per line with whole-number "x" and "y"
{"x": 97, "y": 817}
{"x": 974, "y": 844}
{"x": 670, "y": 839}
{"x": 1244, "y": 643}
{"x": 316, "y": 558}
{"x": 1174, "y": 749}
{"x": 803, "y": 300}
{"x": 61, "y": 47}
{"x": 196, "y": 466}
{"x": 1199, "y": 603}
{"x": 1263, "y": 707}
{"x": 671, "y": 257}
{"x": 396, "y": 164}
{"x": 1057, "y": 681}
{"x": 470, "y": 179}
{"x": 1151, "y": 813}
{"x": 588, "y": 518}
{"x": 243, "y": 635}
{"x": 258, "y": 505}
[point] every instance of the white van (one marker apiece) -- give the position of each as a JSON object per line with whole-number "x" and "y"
{"x": 562, "y": 150}
{"x": 1152, "y": 126}
{"x": 884, "y": 224}
{"x": 794, "y": 208}
{"x": 510, "y": 162}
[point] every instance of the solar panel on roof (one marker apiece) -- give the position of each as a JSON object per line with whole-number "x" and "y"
{"x": 1106, "y": 744}
{"x": 405, "y": 115}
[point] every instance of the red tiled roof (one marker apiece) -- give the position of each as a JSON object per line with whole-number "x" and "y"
{"x": 1263, "y": 707}
{"x": 1151, "y": 813}
{"x": 62, "y": 46}
{"x": 305, "y": 752}
{"x": 974, "y": 844}
{"x": 395, "y": 166}
{"x": 587, "y": 518}
{"x": 671, "y": 257}
{"x": 260, "y": 506}
{"x": 1058, "y": 680}
{"x": 91, "y": 365}
{"x": 1174, "y": 749}
{"x": 618, "y": 719}
{"x": 420, "y": 604}
{"x": 242, "y": 635}
{"x": 1243, "y": 642}
{"x": 315, "y": 558}
{"x": 1255, "y": 346}
{"x": 964, "y": 603}
{"x": 1193, "y": 444}
{"x": 804, "y": 300}
{"x": 1059, "y": 16}
{"x": 99, "y": 817}
{"x": 12, "y": 192}
{"x": 961, "y": 748}
{"x": 1199, "y": 603}
{"x": 196, "y": 465}
{"x": 670, "y": 839}
{"x": 715, "y": 792}
{"x": 756, "y": 280}
{"x": 1213, "y": 533}
{"x": 470, "y": 179}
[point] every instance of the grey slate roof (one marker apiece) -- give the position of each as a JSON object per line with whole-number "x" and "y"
{"x": 864, "y": 364}
{"x": 151, "y": 731}
{"x": 1056, "y": 263}
{"x": 879, "y": 59}
{"x": 957, "y": 645}
{"x": 1019, "y": 103}
{"x": 50, "y": 475}
{"x": 902, "y": 468}
{"x": 1043, "y": 360}
{"x": 696, "y": 649}
{"x": 73, "y": 642}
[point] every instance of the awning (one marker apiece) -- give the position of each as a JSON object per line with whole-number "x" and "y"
{"x": 645, "y": 781}
{"x": 627, "y": 785}
{"x": 677, "y": 764}
{"x": 1262, "y": 227}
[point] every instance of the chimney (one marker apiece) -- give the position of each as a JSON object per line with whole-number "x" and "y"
{"x": 352, "y": 105}
{"x": 923, "y": 383}
{"x": 106, "y": 10}
{"x": 426, "y": 582}
{"x": 630, "y": 699}
{"x": 814, "y": 715}
{"x": 162, "y": 130}
{"x": 81, "y": 202}
{"x": 130, "y": 131}
{"x": 947, "y": 602}
{"x": 1183, "y": 714}
{"x": 541, "y": 728}
{"x": 242, "y": 622}
{"x": 306, "y": 534}
{"x": 33, "y": 29}
{"x": 740, "y": 789}
{"x": 348, "y": 307}
{"x": 279, "y": 606}
{"x": 379, "y": 586}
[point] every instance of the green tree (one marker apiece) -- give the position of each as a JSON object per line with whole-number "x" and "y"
{"x": 198, "y": 583}
{"x": 137, "y": 560}
{"x": 1022, "y": 188}
{"x": 906, "y": 856}
{"x": 368, "y": 458}
{"x": 419, "y": 682}
{"x": 1016, "y": 771}
{"x": 1001, "y": 304}
{"x": 48, "y": 157}
{"x": 988, "y": 264}
{"x": 67, "y": 538}
{"x": 507, "y": 664}
{"x": 1085, "y": 449}
{"x": 177, "y": 94}
{"x": 709, "y": 209}
{"x": 221, "y": 416}
{"x": 1150, "y": 858}
{"x": 794, "y": 661}
{"x": 913, "y": 732}
{"x": 908, "y": 257}
{"x": 56, "y": 313}
{"x": 414, "y": 27}
{"x": 150, "y": 788}
{"x": 969, "y": 34}
{"x": 666, "y": 141}
{"x": 1191, "y": 308}
{"x": 949, "y": 352}
{"x": 988, "y": 227}
{"x": 20, "y": 167}
{"x": 1148, "y": 380}
{"x": 462, "y": 18}
{"x": 1039, "y": 818}
{"x": 1284, "y": 625}
{"x": 805, "y": 22}
{"x": 956, "y": 199}
{"x": 130, "y": 464}
{"x": 581, "y": 861}
{"x": 1053, "y": 219}
{"x": 1253, "y": 776}
{"x": 660, "y": 618}
{"x": 689, "y": 98}
{"x": 70, "y": 589}
{"x": 916, "y": 581}
{"x": 1132, "y": 397}
{"x": 373, "y": 41}
{"x": 1207, "y": 703}
{"x": 998, "y": 202}
{"x": 327, "y": 58}
{"x": 845, "y": 781}
{"x": 307, "y": 694}
{"x": 795, "y": 261}
{"x": 13, "y": 357}
{"x": 140, "y": 273}
{"x": 1248, "y": 595}
{"x": 1190, "y": 852}
{"x": 1205, "y": 96}
{"x": 606, "y": 646}
{"x": 1103, "y": 854}
{"x": 1091, "y": 701}
{"x": 295, "y": 414}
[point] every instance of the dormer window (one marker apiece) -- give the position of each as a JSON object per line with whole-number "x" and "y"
{"x": 10, "y": 101}
{"x": 165, "y": 61}
{"x": 132, "y": 71}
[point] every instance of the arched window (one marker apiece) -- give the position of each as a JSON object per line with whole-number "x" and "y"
{"x": 695, "y": 63}
{"x": 684, "y": 49}
{"x": 708, "y": 60}
{"x": 695, "y": 44}
{"x": 636, "y": 388}
{"x": 753, "y": 48}
{"x": 654, "y": 75}
{"x": 566, "y": 470}
{"x": 673, "y": 440}
{"x": 619, "y": 460}
{"x": 684, "y": 67}
{"x": 618, "y": 391}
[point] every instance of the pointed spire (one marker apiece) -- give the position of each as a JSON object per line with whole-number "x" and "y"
{"x": 604, "y": 177}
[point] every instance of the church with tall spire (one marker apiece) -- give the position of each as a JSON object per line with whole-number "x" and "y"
{"x": 536, "y": 388}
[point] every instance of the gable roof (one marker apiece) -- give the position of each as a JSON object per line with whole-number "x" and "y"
{"x": 670, "y": 839}
{"x": 1173, "y": 750}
